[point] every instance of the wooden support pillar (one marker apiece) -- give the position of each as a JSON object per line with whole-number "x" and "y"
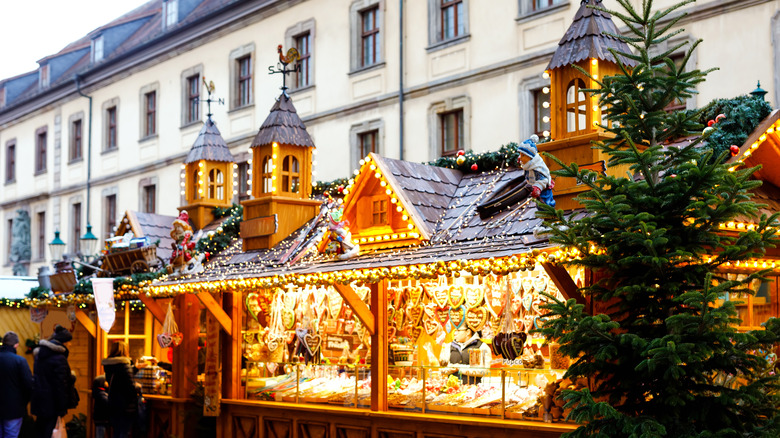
{"x": 358, "y": 306}
{"x": 185, "y": 356}
{"x": 216, "y": 310}
{"x": 231, "y": 347}
{"x": 379, "y": 347}
{"x": 563, "y": 281}
{"x": 154, "y": 308}
{"x": 213, "y": 374}
{"x": 88, "y": 324}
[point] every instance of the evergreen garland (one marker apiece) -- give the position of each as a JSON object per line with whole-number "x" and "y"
{"x": 743, "y": 115}
{"x": 215, "y": 241}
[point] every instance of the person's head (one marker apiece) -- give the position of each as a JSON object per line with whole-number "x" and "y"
{"x": 462, "y": 334}
{"x": 118, "y": 349}
{"x": 527, "y": 150}
{"x": 61, "y": 335}
{"x": 11, "y": 339}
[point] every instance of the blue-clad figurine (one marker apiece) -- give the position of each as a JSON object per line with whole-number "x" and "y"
{"x": 537, "y": 173}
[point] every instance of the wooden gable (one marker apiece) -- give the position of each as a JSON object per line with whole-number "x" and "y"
{"x": 762, "y": 148}
{"x": 378, "y": 212}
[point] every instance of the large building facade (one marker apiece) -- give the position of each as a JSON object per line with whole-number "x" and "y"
{"x": 104, "y": 125}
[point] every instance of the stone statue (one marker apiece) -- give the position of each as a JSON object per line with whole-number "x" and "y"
{"x": 20, "y": 243}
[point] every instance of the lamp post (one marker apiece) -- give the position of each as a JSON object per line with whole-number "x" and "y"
{"x": 89, "y": 242}
{"x": 759, "y": 92}
{"x": 56, "y": 247}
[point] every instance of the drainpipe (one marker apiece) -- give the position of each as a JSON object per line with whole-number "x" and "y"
{"x": 77, "y": 79}
{"x": 401, "y": 77}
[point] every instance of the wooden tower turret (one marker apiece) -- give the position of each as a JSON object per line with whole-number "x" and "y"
{"x": 208, "y": 175}
{"x": 282, "y": 154}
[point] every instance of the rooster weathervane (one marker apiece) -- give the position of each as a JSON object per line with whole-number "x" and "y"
{"x": 291, "y": 57}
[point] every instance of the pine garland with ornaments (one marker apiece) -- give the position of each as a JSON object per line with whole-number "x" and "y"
{"x": 217, "y": 240}
{"x": 660, "y": 344}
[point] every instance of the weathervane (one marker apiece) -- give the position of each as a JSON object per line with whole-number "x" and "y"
{"x": 210, "y": 89}
{"x": 292, "y": 57}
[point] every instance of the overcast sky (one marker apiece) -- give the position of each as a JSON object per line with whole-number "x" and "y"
{"x": 34, "y": 29}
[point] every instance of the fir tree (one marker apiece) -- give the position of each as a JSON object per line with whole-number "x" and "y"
{"x": 663, "y": 358}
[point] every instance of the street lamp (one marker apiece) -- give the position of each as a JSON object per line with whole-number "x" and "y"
{"x": 56, "y": 247}
{"x": 759, "y": 92}
{"x": 89, "y": 242}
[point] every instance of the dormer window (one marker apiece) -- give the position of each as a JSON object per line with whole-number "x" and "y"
{"x": 43, "y": 76}
{"x": 97, "y": 49}
{"x": 171, "y": 8}
{"x": 576, "y": 106}
{"x": 290, "y": 174}
{"x": 216, "y": 184}
{"x": 379, "y": 212}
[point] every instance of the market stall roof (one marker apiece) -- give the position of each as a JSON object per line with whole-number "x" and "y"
{"x": 283, "y": 126}
{"x": 209, "y": 145}
{"x": 151, "y": 225}
{"x": 590, "y": 35}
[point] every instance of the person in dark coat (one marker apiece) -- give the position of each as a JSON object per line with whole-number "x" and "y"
{"x": 53, "y": 384}
{"x": 100, "y": 406}
{"x": 122, "y": 393}
{"x": 16, "y": 383}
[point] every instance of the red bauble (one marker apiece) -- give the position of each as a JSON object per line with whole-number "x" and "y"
{"x": 734, "y": 150}
{"x": 340, "y": 189}
{"x": 711, "y": 122}
{"x": 474, "y": 167}
{"x": 460, "y": 153}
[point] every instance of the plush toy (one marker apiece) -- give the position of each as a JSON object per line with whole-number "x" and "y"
{"x": 537, "y": 173}
{"x": 183, "y": 248}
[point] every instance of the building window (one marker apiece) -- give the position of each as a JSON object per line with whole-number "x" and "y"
{"x": 537, "y": 5}
{"x": 369, "y": 36}
{"x": 40, "y": 151}
{"x": 193, "y": 98}
{"x": 197, "y": 186}
{"x": 244, "y": 190}
{"x": 43, "y": 75}
{"x": 303, "y": 44}
{"x": 171, "y": 12}
{"x": 10, "y": 161}
{"x": 110, "y": 219}
{"x": 367, "y": 142}
{"x": 364, "y": 138}
{"x": 541, "y": 109}
{"x": 149, "y": 198}
{"x": 76, "y": 133}
{"x": 290, "y": 174}
{"x": 452, "y": 19}
{"x": 216, "y": 184}
{"x": 379, "y": 212}
{"x": 268, "y": 174}
{"x": 97, "y": 49}
{"x": 75, "y": 218}
{"x": 41, "y": 235}
{"x": 576, "y": 106}
{"x": 451, "y": 124}
{"x": 111, "y": 128}
{"x": 150, "y": 112}
{"x": 244, "y": 85}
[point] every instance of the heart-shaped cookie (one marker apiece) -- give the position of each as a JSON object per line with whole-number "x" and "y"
{"x": 415, "y": 295}
{"x": 516, "y": 342}
{"x": 362, "y": 292}
{"x": 540, "y": 283}
{"x": 474, "y": 296}
{"x": 349, "y": 326}
{"x": 441, "y": 296}
{"x": 517, "y": 303}
{"x": 442, "y": 316}
{"x": 496, "y": 299}
{"x": 331, "y": 326}
{"x": 457, "y": 296}
{"x": 360, "y": 329}
{"x": 290, "y": 300}
{"x": 274, "y": 342}
{"x": 476, "y": 317}
{"x": 457, "y": 316}
{"x": 334, "y": 303}
{"x": 414, "y": 334}
{"x": 312, "y": 343}
{"x": 400, "y": 318}
{"x": 430, "y": 325}
{"x": 176, "y": 339}
{"x": 251, "y": 303}
{"x": 288, "y": 318}
{"x": 415, "y": 313}
{"x": 164, "y": 340}
{"x": 391, "y": 333}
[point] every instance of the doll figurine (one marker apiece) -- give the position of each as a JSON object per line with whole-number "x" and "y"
{"x": 537, "y": 173}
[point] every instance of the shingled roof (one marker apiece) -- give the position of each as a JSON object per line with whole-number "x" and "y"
{"x": 589, "y": 36}
{"x": 283, "y": 126}
{"x": 151, "y": 225}
{"x": 209, "y": 145}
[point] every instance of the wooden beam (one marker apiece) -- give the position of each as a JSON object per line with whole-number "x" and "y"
{"x": 231, "y": 351}
{"x": 562, "y": 280}
{"x": 379, "y": 346}
{"x": 86, "y": 322}
{"x": 219, "y": 313}
{"x": 153, "y": 307}
{"x": 358, "y": 306}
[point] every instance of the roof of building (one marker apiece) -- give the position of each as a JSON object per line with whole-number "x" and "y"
{"x": 151, "y": 225}
{"x": 209, "y": 145}
{"x": 590, "y": 35}
{"x": 283, "y": 126}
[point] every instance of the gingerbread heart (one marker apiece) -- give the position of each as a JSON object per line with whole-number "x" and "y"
{"x": 331, "y": 326}
{"x": 430, "y": 325}
{"x": 414, "y": 333}
{"x": 176, "y": 339}
{"x": 360, "y": 329}
{"x": 457, "y": 296}
{"x": 334, "y": 303}
{"x": 288, "y": 319}
{"x": 400, "y": 318}
{"x": 390, "y": 314}
{"x": 457, "y": 316}
{"x": 540, "y": 283}
{"x": 441, "y": 296}
{"x": 442, "y": 316}
{"x": 528, "y": 285}
{"x": 415, "y": 313}
{"x": 517, "y": 303}
{"x": 349, "y": 326}
{"x": 476, "y": 317}
{"x": 391, "y": 332}
{"x": 415, "y": 295}
{"x": 362, "y": 292}
{"x": 290, "y": 299}
{"x": 312, "y": 343}
{"x": 516, "y": 342}
{"x": 474, "y": 296}
{"x": 250, "y": 302}
{"x": 164, "y": 340}
{"x": 496, "y": 300}
{"x": 274, "y": 342}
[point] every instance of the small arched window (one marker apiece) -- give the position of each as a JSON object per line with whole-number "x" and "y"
{"x": 290, "y": 174}
{"x": 196, "y": 191}
{"x": 576, "y": 106}
{"x": 216, "y": 184}
{"x": 268, "y": 174}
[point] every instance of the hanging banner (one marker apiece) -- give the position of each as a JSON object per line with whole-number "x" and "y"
{"x": 103, "y": 288}
{"x": 38, "y": 314}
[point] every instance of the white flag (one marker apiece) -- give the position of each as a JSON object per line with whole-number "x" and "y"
{"x": 103, "y": 288}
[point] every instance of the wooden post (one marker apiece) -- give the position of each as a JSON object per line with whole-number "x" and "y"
{"x": 88, "y": 324}
{"x": 216, "y": 310}
{"x": 379, "y": 347}
{"x": 154, "y": 307}
{"x": 562, "y": 280}
{"x": 231, "y": 347}
{"x": 358, "y": 306}
{"x": 212, "y": 378}
{"x": 185, "y": 356}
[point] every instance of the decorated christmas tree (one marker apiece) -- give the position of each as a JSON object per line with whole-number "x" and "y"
{"x": 660, "y": 345}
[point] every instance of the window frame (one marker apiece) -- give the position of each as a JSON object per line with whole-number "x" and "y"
{"x": 40, "y": 218}
{"x": 444, "y": 7}
{"x": 193, "y": 98}
{"x": 76, "y": 144}
{"x": 41, "y": 146}
{"x": 186, "y": 103}
{"x": 150, "y": 119}
{"x": 371, "y": 35}
{"x": 436, "y": 35}
{"x": 111, "y": 125}
{"x": 290, "y": 39}
{"x": 10, "y": 161}
{"x": 456, "y": 116}
{"x": 109, "y": 209}
{"x": 356, "y": 130}
{"x": 244, "y": 81}
{"x": 148, "y": 115}
{"x": 291, "y": 174}
{"x": 75, "y": 226}
{"x": 437, "y": 109}
{"x": 303, "y": 75}
{"x": 149, "y": 203}
{"x": 235, "y": 55}
{"x": 527, "y": 9}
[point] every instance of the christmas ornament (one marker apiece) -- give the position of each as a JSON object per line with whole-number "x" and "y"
{"x": 461, "y": 153}
{"x": 474, "y": 167}
{"x": 707, "y": 131}
{"x": 460, "y": 160}
{"x": 711, "y": 122}
{"x": 734, "y": 150}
